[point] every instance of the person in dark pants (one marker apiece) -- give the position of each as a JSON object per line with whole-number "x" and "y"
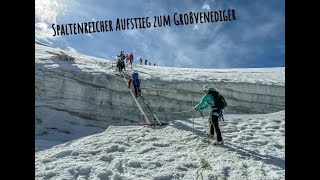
{"x": 136, "y": 84}
{"x": 208, "y": 101}
{"x": 214, "y": 124}
{"x": 120, "y": 62}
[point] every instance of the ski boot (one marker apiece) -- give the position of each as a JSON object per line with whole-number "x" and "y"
{"x": 210, "y": 136}
{"x": 218, "y": 143}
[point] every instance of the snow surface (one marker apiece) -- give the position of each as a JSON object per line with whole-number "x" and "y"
{"x": 254, "y": 149}
{"x": 268, "y": 76}
{"x": 70, "y": 145}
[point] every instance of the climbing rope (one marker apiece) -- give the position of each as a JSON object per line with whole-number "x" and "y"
{"x": 176, "y": 112}
{"x": 182, "y": 111}
{"x": 151, "y": 110}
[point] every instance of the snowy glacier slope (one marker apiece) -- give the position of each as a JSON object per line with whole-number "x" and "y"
{"x": 254, "y": 149}
{"x": 75, "y": 99}
{"x": 90, "y": 88}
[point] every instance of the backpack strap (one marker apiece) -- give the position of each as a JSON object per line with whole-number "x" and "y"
{"x": 212, "y": 106}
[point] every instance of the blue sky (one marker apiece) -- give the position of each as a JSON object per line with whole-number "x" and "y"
{"x": 255, "y": 39}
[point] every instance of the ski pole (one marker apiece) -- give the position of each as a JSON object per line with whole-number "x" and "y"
{"x": 201, "y": 114}
{"x": 204, "y": 121}
{"x": 192, "y": 117}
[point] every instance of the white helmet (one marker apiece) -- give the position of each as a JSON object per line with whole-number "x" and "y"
{"x": 205, "y": 88}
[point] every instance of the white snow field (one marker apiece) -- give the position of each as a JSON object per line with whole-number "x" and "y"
{"x": 87, "y": 123}
{"x": 254, "y": 149}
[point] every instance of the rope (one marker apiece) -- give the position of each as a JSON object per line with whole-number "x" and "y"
{"x": 143, "y": 100}
{"x": 182, "y": 111}
{"x": 176, "y": 112}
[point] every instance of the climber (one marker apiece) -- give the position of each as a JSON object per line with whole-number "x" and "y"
{"x": 217, "y": 103}
{"x": 136, "y": 83}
